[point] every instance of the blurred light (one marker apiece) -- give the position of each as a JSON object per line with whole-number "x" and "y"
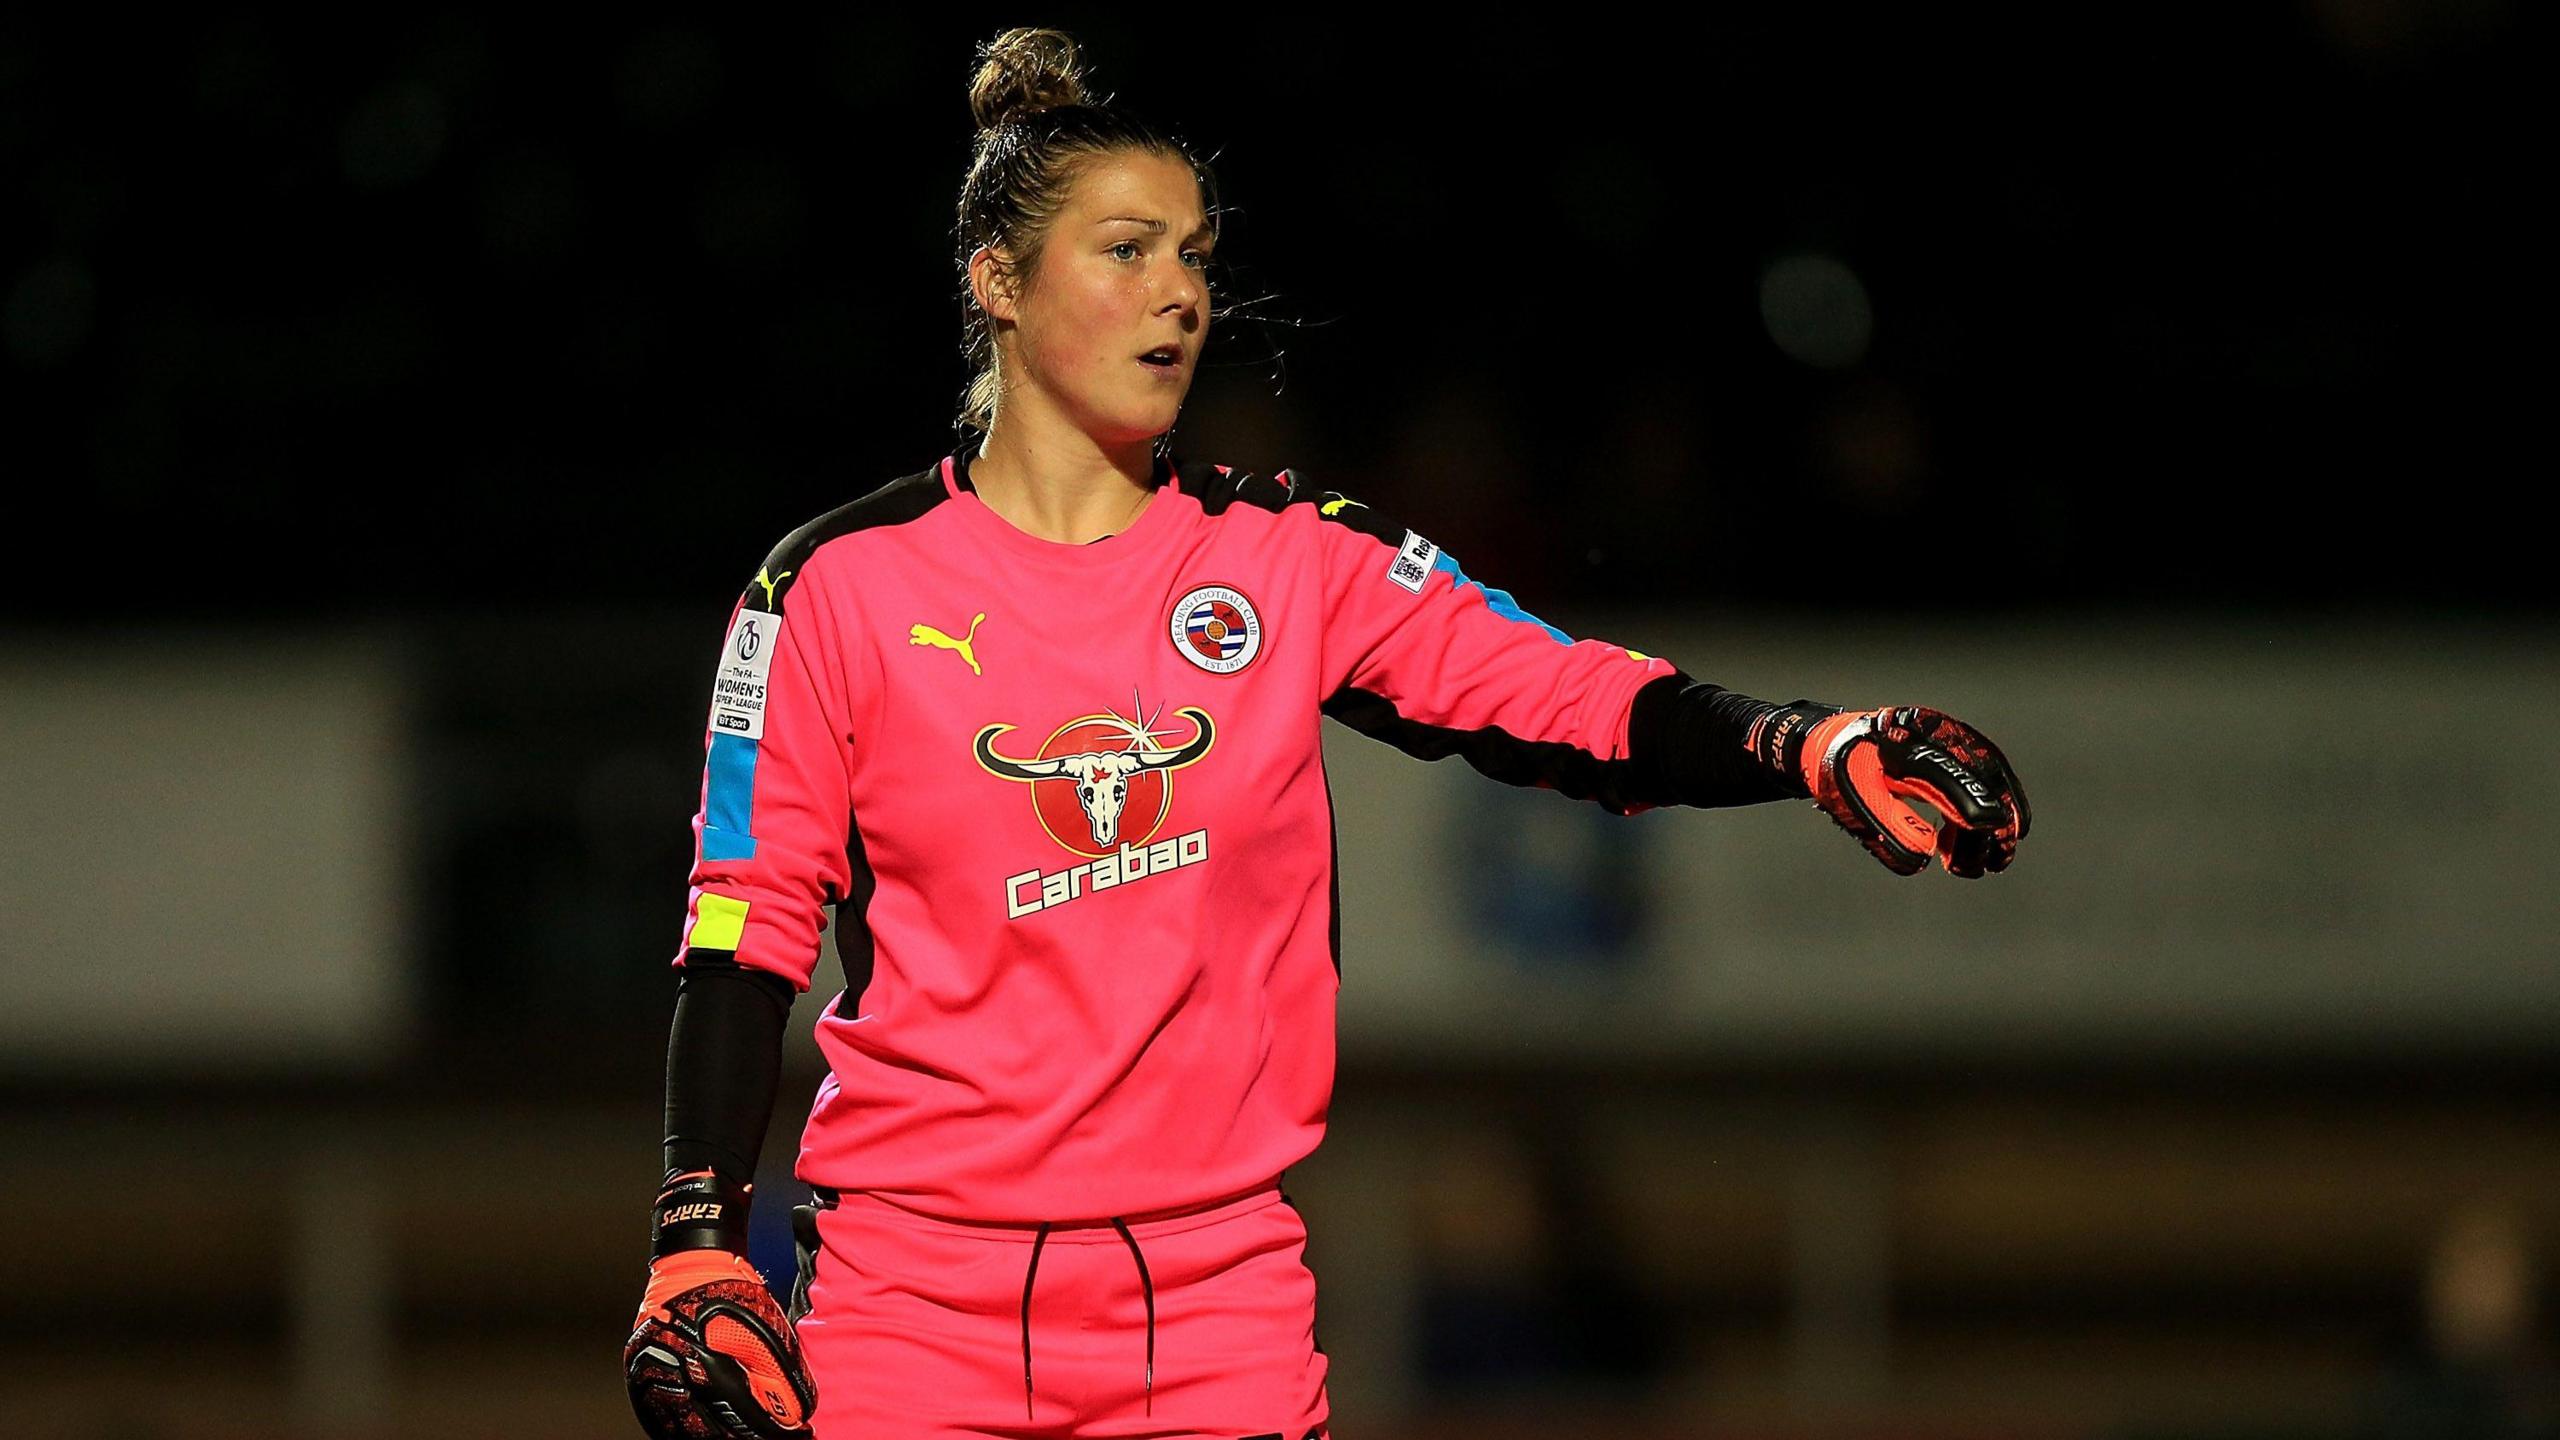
{"x": 394, "y": 137}
{"x": 1816, "y": 310}
{"x": 47, "y": 314}
{"x": 2480, "y": 1284}
{"x": 530, "y": 206}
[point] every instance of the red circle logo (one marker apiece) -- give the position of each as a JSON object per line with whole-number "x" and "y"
{"x": 1100, "y": 782}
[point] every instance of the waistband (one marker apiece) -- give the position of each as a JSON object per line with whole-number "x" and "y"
{"x": 1082, "y": 1230}
{"x": 1124, "y": 1229}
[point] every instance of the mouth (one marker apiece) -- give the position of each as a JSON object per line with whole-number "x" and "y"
{"x": 1163, "y": 360}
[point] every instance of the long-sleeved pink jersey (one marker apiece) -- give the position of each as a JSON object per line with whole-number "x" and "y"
{"x": 1068, "y": 805}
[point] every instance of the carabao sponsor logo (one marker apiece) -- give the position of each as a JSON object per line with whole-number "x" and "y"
{"x": 1033, "y": 891}
{"x": 1101, "y": 787}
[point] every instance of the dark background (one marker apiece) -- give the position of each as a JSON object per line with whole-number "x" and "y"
{"x": 451, "y": 311}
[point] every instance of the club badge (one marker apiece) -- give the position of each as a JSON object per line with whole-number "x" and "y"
{"x": 1216, "y": 628}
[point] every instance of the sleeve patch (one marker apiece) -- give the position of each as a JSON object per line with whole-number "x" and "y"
{"x": 746, "y": 659}
{"x": 719, "y": 922}
{"x": 1412, "y": 564}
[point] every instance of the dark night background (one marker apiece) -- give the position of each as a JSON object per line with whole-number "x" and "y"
{"x": 458, "y": 311}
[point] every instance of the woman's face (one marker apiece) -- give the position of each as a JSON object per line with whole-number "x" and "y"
{"x": 1121, "y": 276}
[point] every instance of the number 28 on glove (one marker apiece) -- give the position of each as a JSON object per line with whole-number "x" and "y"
{"x": 1865, "y": 769}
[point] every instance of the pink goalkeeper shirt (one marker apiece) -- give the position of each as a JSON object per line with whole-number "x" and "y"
{"x": 1068, "y": 806}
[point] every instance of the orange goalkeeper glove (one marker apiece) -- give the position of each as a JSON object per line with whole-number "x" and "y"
{"x": 1863, "y": 768}
{"x": 711, "y": 1356}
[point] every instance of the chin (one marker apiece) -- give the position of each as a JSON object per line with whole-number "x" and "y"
{"x": 1131, "y": 427}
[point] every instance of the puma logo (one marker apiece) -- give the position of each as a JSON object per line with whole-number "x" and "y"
{"x": 927, "y": 635}
{"x": 769, "y": 584}
{"x": 1334, "y": 506}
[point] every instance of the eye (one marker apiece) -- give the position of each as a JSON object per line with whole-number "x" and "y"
{"x": 1202, "y": 256}
{"x": 1129, "y": 245}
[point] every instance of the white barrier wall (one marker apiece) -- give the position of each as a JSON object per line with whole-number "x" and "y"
{"x": 2273, "y": 839}
{"x": 200, "y": 861}
{"x": 2288, "y": 840}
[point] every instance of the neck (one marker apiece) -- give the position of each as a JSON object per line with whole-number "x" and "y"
{"x": 1058, "y": 483}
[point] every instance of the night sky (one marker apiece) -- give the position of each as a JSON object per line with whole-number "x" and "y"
{"x": 465, "y": 312}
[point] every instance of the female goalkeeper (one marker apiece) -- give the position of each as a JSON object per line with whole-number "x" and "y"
{"x": 1038, "y": 724}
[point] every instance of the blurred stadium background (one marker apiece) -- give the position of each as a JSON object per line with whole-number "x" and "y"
{"x": 396, "y": 404}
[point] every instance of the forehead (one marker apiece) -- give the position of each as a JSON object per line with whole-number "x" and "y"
{"x": 1136, "y": 183}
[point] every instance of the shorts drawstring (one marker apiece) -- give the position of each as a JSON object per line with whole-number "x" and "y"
{"x": 1146, "y": 1286}
{"x": 1037, "y": 1240}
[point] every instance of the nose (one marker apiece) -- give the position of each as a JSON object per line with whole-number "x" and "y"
{"x": 1187, "y": 292}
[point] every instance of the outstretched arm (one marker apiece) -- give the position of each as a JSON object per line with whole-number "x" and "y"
{"x": 1436, "y": 664}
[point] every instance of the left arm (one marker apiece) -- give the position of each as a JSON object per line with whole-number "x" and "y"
{"x": 1436, "y": 664}
{"x": 1427, "y": 660}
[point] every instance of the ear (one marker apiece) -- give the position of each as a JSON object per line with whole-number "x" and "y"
{"x": 992, "y": 279}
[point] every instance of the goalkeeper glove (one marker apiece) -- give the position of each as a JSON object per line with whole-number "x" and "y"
{"x": 712, "y": 1357}
{"x": 1863, "y": 767}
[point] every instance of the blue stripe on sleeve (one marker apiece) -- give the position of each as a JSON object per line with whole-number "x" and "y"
{"x": 1499, "y": 601}
{"x": 728, "y": 799}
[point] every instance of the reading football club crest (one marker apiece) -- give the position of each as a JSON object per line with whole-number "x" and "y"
{"x": 1216, "y": 628}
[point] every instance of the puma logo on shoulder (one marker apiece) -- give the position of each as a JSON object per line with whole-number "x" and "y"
{"x": 927, "y": 635}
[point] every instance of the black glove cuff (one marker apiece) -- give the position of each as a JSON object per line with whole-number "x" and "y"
{"x": 699, "y": 1210}
{"x": 1684, "y": 744}
{"x": 1777, "y": 740}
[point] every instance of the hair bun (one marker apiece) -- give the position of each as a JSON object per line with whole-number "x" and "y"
{"x": 1023, "y": 70}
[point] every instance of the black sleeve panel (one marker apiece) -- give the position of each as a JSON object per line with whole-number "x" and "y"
{"x": 1688, "y": 743}
{"x": 724, "y": 1062}
{"x": 1691, "y": 742}
{"x": 1566, "y": 769}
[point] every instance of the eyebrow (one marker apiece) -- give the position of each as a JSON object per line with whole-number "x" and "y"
{"x": 1157, "y": 226}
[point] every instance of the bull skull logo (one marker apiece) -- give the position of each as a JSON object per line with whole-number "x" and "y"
{"x": 1102, "y": 777}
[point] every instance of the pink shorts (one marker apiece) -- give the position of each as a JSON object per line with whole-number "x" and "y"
{"x": 1199, "y": 1323}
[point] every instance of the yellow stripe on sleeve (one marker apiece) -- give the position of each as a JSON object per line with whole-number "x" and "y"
{"x": 718, "y": 922}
